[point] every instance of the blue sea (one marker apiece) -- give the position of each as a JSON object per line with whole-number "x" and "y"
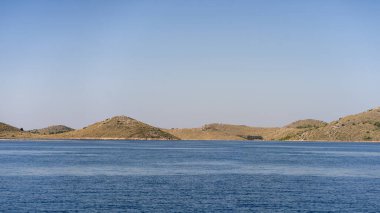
{"x": 188, "y": 176}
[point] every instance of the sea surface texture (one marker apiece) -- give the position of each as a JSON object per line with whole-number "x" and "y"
{"x": 188, "y": 176}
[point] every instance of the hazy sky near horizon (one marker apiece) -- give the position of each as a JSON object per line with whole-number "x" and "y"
{"x": 186, "y": 63}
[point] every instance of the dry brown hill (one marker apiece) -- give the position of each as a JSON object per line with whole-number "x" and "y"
{"x": 119, "y": 127}
{"x": 57, "y": 129}
{"x": 359, "y": 127}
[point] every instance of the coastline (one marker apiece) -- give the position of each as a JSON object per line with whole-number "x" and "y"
{"x": 151, "y": 139}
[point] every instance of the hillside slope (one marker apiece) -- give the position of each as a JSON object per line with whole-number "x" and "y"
{"x": 119, "y": 127}
{"x": 359, "y": 127}
{"x": 8, "y": 128}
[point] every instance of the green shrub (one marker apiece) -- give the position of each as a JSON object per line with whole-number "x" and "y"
{"x": 288, "y": 137}
{"x": 305, "y": 126}
{"x": 252, "y": 137}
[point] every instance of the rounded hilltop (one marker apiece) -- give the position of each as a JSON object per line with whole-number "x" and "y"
{"x": 306, "y": 123}
{"x": 120, "y": 127}
{"x": 50, "y": 130}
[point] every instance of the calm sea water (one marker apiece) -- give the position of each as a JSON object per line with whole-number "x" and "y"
{"x": 188, "y": 176}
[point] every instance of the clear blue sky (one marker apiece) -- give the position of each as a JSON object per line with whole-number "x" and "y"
{"x": 187, "y": 63}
